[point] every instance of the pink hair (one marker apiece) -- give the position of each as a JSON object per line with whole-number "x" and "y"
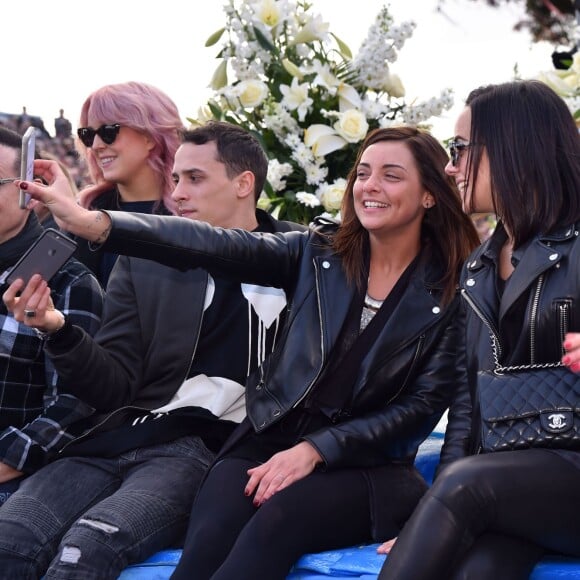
{"x": 142, "y": 107}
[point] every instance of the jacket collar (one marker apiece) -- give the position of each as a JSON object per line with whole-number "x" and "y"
{"x": 418, "y": 309}
{"x": 539, "y": 255}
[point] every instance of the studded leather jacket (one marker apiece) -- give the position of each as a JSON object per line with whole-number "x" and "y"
{"x": 529, "y": 317}
{"x": 406, "y": 380}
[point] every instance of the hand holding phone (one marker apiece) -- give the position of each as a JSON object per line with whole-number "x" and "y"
{"x": 45, "y": 257}
{"x": 27, "y": 163}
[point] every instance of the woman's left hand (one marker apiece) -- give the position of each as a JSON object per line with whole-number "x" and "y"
{"x": 281, "y": 470}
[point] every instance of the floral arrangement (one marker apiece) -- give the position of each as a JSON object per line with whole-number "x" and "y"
{"x": 297, "y": 87}
{"x": 566, "y": 82}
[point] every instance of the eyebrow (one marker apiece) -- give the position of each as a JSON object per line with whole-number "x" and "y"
{"x": 385, "y": 166}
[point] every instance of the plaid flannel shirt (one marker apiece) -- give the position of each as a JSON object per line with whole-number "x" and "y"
{"x": 36, "y": 420}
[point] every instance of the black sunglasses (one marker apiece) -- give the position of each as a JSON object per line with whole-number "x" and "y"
{"x": 456, "y": 147}
{"x": 107, "y": 133}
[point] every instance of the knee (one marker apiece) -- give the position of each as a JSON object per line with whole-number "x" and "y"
{"x": 28, "y": 537}
{"x": 89, "y": 547}
{"x": 463, "y": 485}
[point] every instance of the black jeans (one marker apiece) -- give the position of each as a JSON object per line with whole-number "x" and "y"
{"x": 491, "y": 516}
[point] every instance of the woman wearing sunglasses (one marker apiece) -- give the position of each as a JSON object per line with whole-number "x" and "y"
{"x": 129, "y": 133}
{"x": 494, "y": 514}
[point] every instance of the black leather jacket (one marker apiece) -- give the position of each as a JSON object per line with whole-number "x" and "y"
{"x": 537, "y": 307}
{"x": 406, "y": 380}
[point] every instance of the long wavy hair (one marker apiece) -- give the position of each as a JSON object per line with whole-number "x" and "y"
{"x": 533, "y": 147}
{"x": 445, "y": 225}
{"x": 144, "y": 108}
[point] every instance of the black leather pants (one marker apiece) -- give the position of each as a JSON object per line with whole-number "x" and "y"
{"x": 491, "y": 516}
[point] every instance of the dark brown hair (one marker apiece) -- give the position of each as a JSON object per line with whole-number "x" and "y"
{"x": 445, "y": 225}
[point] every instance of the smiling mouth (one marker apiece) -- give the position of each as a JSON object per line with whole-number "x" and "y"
{"x": 375, "y": 204}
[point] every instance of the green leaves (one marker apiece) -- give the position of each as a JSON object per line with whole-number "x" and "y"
{"x": 342, "y": 46}
{"x": 215, "y": 37}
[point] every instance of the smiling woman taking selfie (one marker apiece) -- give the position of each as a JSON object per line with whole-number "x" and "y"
{"x": 365, "y": 365}
{"x": 129, "y": 133}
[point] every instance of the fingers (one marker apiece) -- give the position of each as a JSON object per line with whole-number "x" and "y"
{"x": 265, "y": 481}
{"x": 386, "y": 547}
{"x": 34, "y": 299}
{"x": 572, "y": 347}
{"x": 10, "y": 296}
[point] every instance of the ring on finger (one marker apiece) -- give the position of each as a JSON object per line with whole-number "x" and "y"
{"x": 29, "y": 313}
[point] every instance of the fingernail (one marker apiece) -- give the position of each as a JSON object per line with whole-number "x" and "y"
{"x": 567, "y": 344}
{"x": 256, "y": 503}
{"x": 246, "y": 492}
{"x": 566, "y": 360}
{"x": 24, "y": 185}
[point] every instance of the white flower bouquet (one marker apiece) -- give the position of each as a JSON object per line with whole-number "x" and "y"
{"x": 296, "y": 86}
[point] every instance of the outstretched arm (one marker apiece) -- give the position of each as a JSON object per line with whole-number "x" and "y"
{"x": 60, "y": 200}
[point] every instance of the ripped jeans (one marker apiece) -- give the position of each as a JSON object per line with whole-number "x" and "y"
{"x": 88, "y": 518}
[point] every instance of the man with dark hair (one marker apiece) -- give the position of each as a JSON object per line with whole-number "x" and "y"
{"x": 166, "y": 373}
{"x": 36, "y": 418}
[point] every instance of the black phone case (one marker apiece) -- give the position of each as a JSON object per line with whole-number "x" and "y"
{"x": 45, "y": 257}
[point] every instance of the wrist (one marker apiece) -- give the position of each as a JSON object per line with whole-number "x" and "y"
{"x": 47, "y": 331}
{"x": 100, "y": 225}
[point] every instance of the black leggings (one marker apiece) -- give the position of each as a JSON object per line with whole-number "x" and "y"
{"x": 229, "y": 538}
{"x": 491, "y": 516}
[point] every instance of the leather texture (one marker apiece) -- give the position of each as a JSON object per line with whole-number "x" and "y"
{"x": 529, "y": 408}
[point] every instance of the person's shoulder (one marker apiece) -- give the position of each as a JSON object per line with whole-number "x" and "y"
{"x": 269, "y": 223}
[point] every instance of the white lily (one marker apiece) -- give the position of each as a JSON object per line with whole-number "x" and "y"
{"x": 348, "y": 98}
{"x": 323, "y": 140}
{"x": 296, "y": 98}
{"x": 314, "y": 29}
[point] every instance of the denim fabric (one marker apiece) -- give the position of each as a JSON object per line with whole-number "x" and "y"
{"x": 88, "y": 518}
{"x": 8, "y": 488}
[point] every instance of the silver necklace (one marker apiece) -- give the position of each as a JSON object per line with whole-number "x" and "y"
{"x": 372, "y": 303}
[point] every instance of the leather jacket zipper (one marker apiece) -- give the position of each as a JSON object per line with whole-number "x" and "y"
{"x": 418, "y": 352}
{"x": 101, "y": 423}
{"x": 322, "y": 354}
{"x": 533, "y": 316}
{"x": 484, "y": 319}
{"x": 563, "y": 307}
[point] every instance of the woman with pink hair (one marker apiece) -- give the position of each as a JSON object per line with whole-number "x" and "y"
{"x": 128, "y": 133}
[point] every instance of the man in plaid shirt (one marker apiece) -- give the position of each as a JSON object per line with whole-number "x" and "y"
{"x": 36, "y": 420}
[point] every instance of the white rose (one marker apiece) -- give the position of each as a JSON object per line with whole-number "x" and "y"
{"x": 394, "y": 86}
{"x": 252, "y": 93}
{"x": 352, "y": 125}
{"x": 555, "y": 81}
{"x": 331, "y": 195}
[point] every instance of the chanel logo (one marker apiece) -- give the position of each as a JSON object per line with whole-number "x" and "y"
{"x": 557, "y": 421}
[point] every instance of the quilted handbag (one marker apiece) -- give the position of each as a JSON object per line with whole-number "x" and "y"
{"x": 528, "y": 406}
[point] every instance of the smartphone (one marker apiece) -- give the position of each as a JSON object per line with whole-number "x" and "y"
{"x": 27, "y": 163}
{"x": 45, "y": 257}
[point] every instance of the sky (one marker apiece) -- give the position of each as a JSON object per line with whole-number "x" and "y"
{"x": 68, "y": 48}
